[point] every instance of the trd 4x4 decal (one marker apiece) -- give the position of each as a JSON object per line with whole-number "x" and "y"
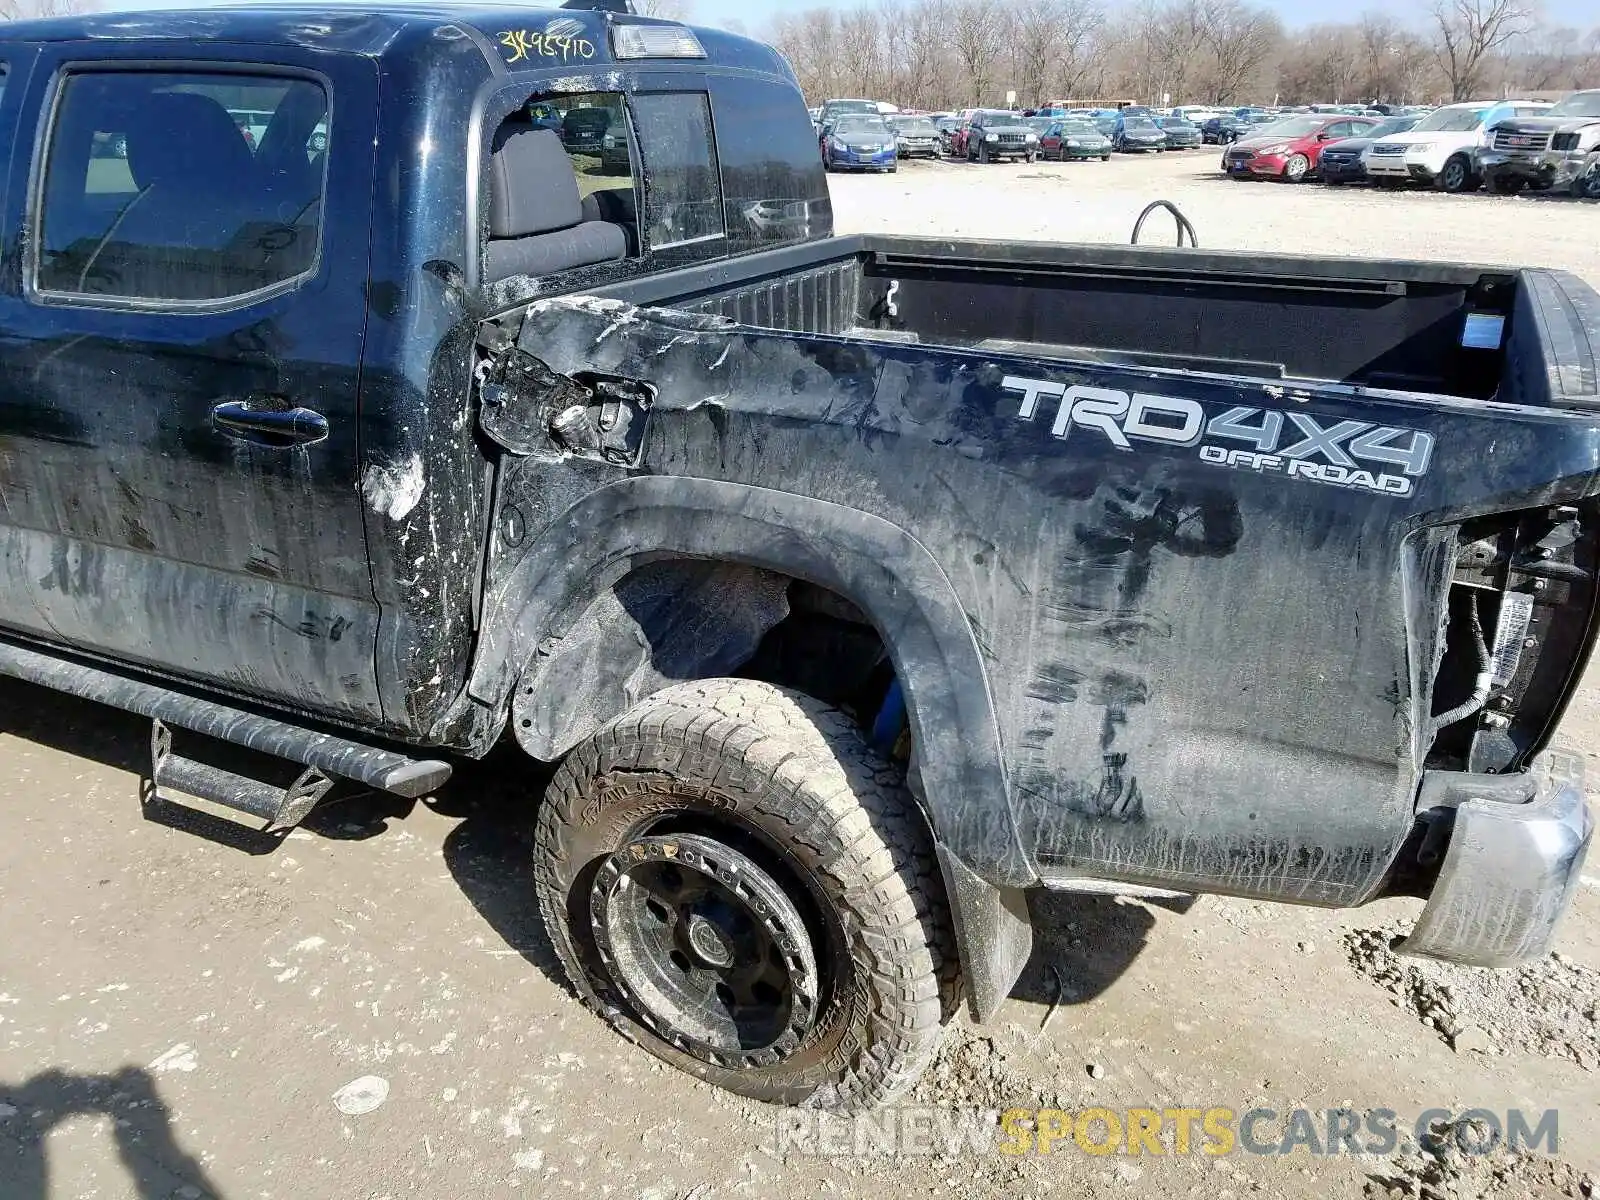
{"x": 1350, "y": 454}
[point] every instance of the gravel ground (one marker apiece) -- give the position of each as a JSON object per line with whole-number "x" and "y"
{"x": 1099, "y": 201}
{"x": 1551, "y": 1007}
{"x": 372, "y": 1010}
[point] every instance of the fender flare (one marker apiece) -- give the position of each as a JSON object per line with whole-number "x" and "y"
{"x": 879, "y": 567}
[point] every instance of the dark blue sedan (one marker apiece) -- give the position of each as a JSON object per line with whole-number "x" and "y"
{"x": 859, "y": 143}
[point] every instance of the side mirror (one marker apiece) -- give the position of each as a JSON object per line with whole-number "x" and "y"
{"x": 1324, "y": 137}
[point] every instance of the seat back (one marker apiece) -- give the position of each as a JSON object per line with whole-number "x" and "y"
{"x": 536, "y": 217}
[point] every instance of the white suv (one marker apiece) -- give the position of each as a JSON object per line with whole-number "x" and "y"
{"x": 1442, "y": 148}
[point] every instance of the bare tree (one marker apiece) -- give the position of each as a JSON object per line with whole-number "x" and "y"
{"x": 861, "y": 51}
{"x": 25, "y": 10}
{"x": 976, "y": 27}
{"x": 950, "y": 53}
{"x": 1035, "y": 27}
{"x": 1467, "y": 32}
{"x": 1241, "y": 39}
{"x": 671, "y": 10}
{"x": 1324, "y": 63}
{"x": 1078, "y": 44}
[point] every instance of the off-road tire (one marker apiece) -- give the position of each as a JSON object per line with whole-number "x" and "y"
{"x": 761, "y": 766}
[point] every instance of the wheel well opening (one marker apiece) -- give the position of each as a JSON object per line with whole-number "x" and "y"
{"x": 829, "y": 649}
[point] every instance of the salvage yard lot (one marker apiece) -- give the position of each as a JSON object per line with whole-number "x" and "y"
{"x": 176, "y": 1014}
{"x": 1098, "y": 202}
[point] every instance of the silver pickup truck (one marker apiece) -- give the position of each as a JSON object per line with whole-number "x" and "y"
{"x": 1557, "y": 149}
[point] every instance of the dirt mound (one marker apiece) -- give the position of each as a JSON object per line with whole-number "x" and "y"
{"x": 1446, "y": 1173}
{"x": 1549, "y": 1007}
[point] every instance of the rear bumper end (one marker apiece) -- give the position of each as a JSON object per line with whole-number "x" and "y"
{"x": 1511, "y": 867}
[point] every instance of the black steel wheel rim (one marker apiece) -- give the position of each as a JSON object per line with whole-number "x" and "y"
{"x": 705, "y": 949}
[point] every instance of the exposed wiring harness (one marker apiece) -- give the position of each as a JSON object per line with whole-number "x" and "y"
{"x": 1185, "y": 228}
{"x": 1483, "y": 665}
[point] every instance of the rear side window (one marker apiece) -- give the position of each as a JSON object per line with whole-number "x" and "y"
{"x": 181, "y": 187}
{"x": 683, "y": 193}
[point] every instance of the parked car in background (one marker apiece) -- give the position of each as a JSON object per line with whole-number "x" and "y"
{"x": 1074, "y": 138}
{"x": 1196, "y": 114}
{"x": 859, "y": 142}
{"x": 1181, "y": 134}
{"x": 947, "y": 127}
{"x": 1551, "y": 150}
{"x": 1341, "y": 161}
{"x": 1289, "y": 149}
{"x": 583, "y": 130}
{"x": 833, "y": 109}
{"x": 1222, "y": 129}
{"x": 915, "y": 137}
{"x": 1135, "y": 133}
{"x": 958, "y": 137}
{"x": 1441, "y": 149}
{"x": 994, "y": 134}
{"x": 542, "y": 115}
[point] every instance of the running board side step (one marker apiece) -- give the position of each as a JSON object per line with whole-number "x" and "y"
{"x": 279, "y": 807}
{"x": 384, "y": 770}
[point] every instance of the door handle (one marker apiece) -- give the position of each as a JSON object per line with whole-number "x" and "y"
{"x": 270, "y": 421}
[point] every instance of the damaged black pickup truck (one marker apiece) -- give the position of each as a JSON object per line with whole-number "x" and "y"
{"x": 353, "y": 411}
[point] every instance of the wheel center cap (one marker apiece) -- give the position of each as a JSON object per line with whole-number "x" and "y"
{"x": 708, "y": 943}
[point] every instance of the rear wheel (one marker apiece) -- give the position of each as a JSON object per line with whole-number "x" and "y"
{"x": 1294, "y": 171}
{"x": 735, "y": 880}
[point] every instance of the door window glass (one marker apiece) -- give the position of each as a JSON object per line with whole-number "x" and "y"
{"x": 181, "y": 187}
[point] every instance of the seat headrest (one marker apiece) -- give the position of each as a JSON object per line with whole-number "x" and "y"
{"x": 189, "y": 141}
{"x": 532, "y": 185}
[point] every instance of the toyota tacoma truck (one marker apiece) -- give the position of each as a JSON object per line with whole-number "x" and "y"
{"x": 858, "y": 586}
{"x": 1558, "y": 148}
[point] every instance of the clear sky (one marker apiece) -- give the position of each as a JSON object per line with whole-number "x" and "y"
{"x": 1579, "y": 13}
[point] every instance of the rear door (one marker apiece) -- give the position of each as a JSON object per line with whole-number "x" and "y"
{"x": 180, "y": 345}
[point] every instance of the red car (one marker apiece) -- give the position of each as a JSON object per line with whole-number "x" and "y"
{"x": 958, "y": 139}
{"x": 1289, "y": 149}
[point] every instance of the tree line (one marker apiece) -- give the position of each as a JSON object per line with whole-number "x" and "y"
{"x": 937, "y": 54}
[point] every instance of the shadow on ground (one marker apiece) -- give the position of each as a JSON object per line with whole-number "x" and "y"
{"x": 1086, "y": 942}
{"x": 157, "y": 1167}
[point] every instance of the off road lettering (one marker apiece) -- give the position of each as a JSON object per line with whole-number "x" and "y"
{"x": 1297, "y": 445}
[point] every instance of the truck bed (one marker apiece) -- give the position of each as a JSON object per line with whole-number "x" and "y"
{"x": 1228, "y": 536}
{"x": 1439, "y": 329}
